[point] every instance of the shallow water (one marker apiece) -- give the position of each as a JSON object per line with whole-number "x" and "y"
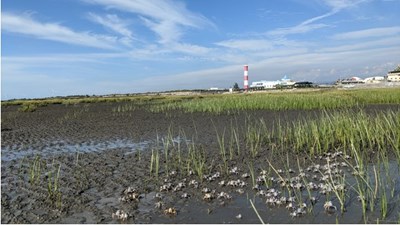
{"x": 9, "y": 153}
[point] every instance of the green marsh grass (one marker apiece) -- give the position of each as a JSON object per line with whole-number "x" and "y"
{"x": 35, "y": 170}
{"x": 327, "y": 99}
{"x": 53, "y": 185}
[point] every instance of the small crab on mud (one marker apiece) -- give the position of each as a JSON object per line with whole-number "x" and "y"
{"x": 170, "y": 211}
{"x": 208, "y": 196}
{"x": 329, "y": 207}
{"x": 130, "y": 194}
{"x": 120, "y": 215}
{"x": 158, "y": 205}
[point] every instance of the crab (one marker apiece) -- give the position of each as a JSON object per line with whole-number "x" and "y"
{"x": 158, "y": 205}
{"x": 158, "y": 195}
{"x": 216, "y": 175}
{"x": 291, "y": 206}
{"x": 170, "y": 211}
{"x": 120, "y": 215}
{"x": 234, "y": 170}
{"x": 223, "y": 195}
{"x": 240, "y": 191}
{"x": 300, "y": 212}
{"x": 245, "y": 175}
{"x": 262, "y": 193}
{"x": 172, "y": 173}
{"x": 221, "y": 183}
{"x": 130, "y": 194}
{"x": 313, "y": 200}
{"x": 208, "y": 196}
{"x": 166, "y": 187}
{"x": 194, "y": 183}
{"x": 130, "y": 190}
{"x": 256, "y": 187}
{"x": 206, "y": 190}
{"x": 271, "y": 201}
{"x": 185, "y": 195}
{"x": 329, "y": 207}
{"x": 260, "y": 179}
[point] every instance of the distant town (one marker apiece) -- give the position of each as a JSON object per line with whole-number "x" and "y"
{"x": 391, "y": 79}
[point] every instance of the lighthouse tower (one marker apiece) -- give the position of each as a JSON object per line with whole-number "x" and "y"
{"x": 246, "y": 78}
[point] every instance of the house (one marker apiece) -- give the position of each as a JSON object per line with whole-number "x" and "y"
{"x": 393, "y": 76}
{"x": 263, "y": 84}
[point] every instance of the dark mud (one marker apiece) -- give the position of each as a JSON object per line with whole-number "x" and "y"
{"x": 100, "y": 153}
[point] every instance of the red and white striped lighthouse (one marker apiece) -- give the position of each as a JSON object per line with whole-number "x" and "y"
{"x": 246, "y": 78}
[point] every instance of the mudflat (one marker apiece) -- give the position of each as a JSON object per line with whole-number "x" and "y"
{"x": 88, "y": 163}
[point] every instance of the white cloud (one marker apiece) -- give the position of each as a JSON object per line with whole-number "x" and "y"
{"x": 299, "y": 29}
{"x": 167, "y": 31}
{"x": 309, "y": 25}
{"x": 166, "y": 18}
{"x": 342, "y": 4}
{"x": 383, "y": 42}
{"x": 189, "y": 49}
{"x": 367, "y": 33}
{"x": 114, "y": 23}
{"x": 246, "y": 44}
{"x": 55, "y": 32}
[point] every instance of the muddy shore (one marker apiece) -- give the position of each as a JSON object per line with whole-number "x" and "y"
{"x": 100, "y": 153}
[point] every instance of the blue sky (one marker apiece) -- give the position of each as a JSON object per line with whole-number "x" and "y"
{"x": 69, "y": 47}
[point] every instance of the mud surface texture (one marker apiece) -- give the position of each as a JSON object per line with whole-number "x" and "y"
{"x": 88, "y": 163}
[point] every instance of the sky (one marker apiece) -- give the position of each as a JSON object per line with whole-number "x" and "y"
{"x": 85, "y": 47}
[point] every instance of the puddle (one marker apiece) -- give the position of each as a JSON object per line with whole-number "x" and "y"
{"x": 9, "y": 153}
{"x": 15, "y": 151}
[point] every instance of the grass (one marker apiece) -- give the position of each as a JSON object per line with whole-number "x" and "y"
{"x": 35, "y": 170}
{"x": 358, "y": 134}
{"x": 327, "y": 99}
{"x": 305, "y": 100}
{"x": 362, "y": 136}
{"x": 53, "y": 186}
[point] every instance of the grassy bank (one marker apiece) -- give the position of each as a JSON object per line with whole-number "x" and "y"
{"x": 330, "y": 99}
{"x": 230, "y": 103}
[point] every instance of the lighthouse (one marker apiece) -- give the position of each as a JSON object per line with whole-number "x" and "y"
{"x": 246, "y": 78}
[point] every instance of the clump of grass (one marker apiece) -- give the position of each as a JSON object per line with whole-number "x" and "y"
{"x": 332, "y": 99}
{"x": 35, "y": 170}
{"x": 29, "y": 107}
{"x": 154, "y": 162}
{"x": 53, "y": 186}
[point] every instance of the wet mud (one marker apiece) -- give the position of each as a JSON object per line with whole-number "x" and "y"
{"x": 87, "y": 163}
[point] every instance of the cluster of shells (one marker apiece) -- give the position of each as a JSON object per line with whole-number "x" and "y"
{"x": 318, "y": 179}
{"x": 129, "y": 195}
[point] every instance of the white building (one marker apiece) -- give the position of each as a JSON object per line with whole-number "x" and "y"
{"x": 393, "y": 76}
{"x": 376, "y": 79}
{"x": 263, "y": 84}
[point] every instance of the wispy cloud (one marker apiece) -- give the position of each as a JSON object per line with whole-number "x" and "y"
{"x": 367, "y": 33}
{"x": 55, "y": 32}
{"x": 166, "y": 18}
{"x": 114, "y": 23}
{"x": 338, "y": 5}
{"x": 246, "y": 44}
{"x": 310, "y": 25}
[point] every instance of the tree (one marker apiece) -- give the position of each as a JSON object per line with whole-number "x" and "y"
{"x": 236, "y": 86}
